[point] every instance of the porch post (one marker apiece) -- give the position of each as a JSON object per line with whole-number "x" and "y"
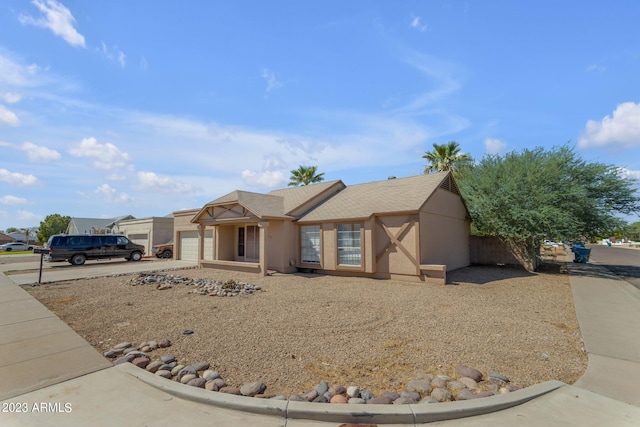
{"x": 263, "y": 225}
{"x": 200, "y": 243}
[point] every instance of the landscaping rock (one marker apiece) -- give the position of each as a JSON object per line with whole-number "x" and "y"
{"x": 187, "y": 377}
{"x": 382, "y": 400}
{"x": 339, "y": 398}
{"x": 419, "y": 386}
{"x": 251, "y": 389}
{"x": 168, "y": 358}
{"x": 441, "y": 395}
{"x": 465, "y": 394}
{"x": 164, "y": 373}
{"x": 465, "y": 371}
{"x": 197, "y": 382}
{"x": 230, "y": 390}
{"x": 353, "y": 391}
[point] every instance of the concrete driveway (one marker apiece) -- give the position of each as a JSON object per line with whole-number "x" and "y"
{"x": 25, "y": 269}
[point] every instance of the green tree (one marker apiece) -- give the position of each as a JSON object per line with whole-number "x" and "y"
{"x": 52, "y": 224}
{"x": 11, "y": 230}
{"x": 634, "y": 231}
{"x": 446, "y": 157}
{"x": 525, "y": 197}
{"x": 305, "y": 175}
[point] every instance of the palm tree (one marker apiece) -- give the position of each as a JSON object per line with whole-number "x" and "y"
{"x": 445, "y": 157}
{"x": 305, "y": 175}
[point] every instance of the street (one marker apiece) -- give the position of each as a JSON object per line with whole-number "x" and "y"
{"x": 623, "y": 262}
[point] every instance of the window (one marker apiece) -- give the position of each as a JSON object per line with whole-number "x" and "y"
{"x": 310, "y": 244}
{"x": 249, "y": 242}
{"x": 349, "y": 244}
{"x": 241, "y": 241}
{"x": 108, "y": 240}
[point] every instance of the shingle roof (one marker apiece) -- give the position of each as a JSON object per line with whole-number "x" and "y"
{"x": 276, "y": 204}
{"x": 88, "y": 225}
{"x": 262, "y": 205}
{"x": 363, "y": 200}
{"x": 297, "y": 196}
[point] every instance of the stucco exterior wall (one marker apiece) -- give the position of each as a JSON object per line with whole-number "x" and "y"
{"x": 444, "y": 231}
{"x": 226, "y": 242}
{"x": 391, "y": 259}
{"x": 158, "y": 230}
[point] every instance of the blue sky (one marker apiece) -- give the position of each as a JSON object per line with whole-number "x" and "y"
{"x": 147, "y": 107}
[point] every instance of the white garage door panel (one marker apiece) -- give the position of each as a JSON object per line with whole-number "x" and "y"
{"x": 141, "y": 239}
{"x": 189, "y": 245}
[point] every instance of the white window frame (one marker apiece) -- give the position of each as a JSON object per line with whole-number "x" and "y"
{"x": 310, "y": 244}
{"x": 349, "y": 245}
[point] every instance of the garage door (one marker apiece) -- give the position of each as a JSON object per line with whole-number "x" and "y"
{"x": 189, "y": 245}
{"x": 208, "y": 245}
{"x": 141, "y": 239}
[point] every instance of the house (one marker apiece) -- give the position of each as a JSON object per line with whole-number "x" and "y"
{"x": 5, "y": 238}
{"x": 94, "y": 225}
{"x": 407, "y": 228}
{"x": 147, "y": 231}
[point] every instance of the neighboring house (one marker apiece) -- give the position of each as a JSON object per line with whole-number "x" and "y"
{"x": 19, "y": 236}
{"x": 147, "y": 231}
{"x": 416, "y": 227}
{"x": 94, "y": 225}
{"x": 5, "y": 238}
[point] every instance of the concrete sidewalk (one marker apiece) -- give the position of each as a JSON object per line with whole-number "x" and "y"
{"x": 608, "y": 311}
{"x": 57, "y": 378}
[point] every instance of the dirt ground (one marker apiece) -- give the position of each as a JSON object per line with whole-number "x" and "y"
{"x": 376, "y": 334}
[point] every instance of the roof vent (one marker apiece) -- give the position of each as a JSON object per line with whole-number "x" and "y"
{"x": 391, "y": 177}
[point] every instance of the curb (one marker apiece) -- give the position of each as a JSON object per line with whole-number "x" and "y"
{"x": 377, "y": 414}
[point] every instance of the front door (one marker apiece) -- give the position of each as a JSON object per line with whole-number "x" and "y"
{"x": 249, "y": 243}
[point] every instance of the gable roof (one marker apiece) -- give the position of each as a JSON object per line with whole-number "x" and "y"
{"x": 393, "y": 195}
{"x": 276, "y": 204}
{"x": 295, "y": 197}
{"x": 88, "y": 225}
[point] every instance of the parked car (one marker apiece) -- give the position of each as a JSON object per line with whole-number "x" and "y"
{"x": 77, "y": 248}
{"x": 15, "y": 247}
{"x": 163, "y": 251}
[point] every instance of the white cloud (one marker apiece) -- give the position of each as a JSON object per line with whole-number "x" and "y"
{"x": 270, "y": 78}
{"x": 150, "y": 180}
{"x": 494, "y": 146}
{"x": 13, "y": 200}
{"x": 58, "y": 19}
{"x": 416, "y": 22}
{"x": 111, "y": 195}
{"x": 264, "y": 179}
{"x": 37, "y": 153}
{"x": 630, "y": 174}
{"x": 11, "y": 98}
{"x": 105, "y": 156}
{"x": 114, "y": 54}
{"x": 272, "y": 174}
{"x": 621, "y": 129}
{"x": 26, "y": 216}
{"x": 596, "y": 68}
{"x": 8, "y": 117}
{"x": 14, "y": 74}
{"x": 18, "y": 179}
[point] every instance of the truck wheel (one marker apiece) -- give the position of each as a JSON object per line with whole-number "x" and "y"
{"x": 136, "y": 256}
{"x": 167, "y": 254}
{"x": 78, "y": 259}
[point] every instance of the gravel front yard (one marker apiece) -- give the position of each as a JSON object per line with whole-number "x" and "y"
{"x": 377, "y": 334}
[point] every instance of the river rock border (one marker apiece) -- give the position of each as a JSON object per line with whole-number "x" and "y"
{"x": 426, "y": 388}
